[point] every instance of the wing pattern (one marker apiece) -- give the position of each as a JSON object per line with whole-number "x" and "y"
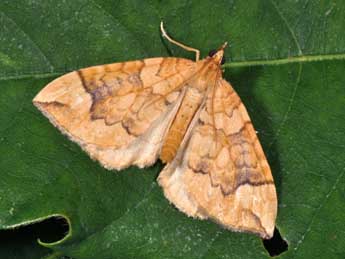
{"x": 222, "y": 172}
{"x": 119, "y": 113}
{"x": 122, "y": 113}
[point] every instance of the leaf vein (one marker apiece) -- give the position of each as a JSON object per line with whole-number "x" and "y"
{"x": 28, "y": 37}
{"x": 293, "y": 35}
{"x": 117, "y": 20}
{"x": 287, "y": 60}
{"x": 288, "y": 110}
{"x": 309, "y": 227}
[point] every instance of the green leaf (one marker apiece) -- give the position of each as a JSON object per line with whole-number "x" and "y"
{"x": 286, "y": 60}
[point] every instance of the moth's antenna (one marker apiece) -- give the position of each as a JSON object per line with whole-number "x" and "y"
{"x": 165, "y": 35}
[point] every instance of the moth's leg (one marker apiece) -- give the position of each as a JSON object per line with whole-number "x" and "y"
{"x": 197, "y": 52}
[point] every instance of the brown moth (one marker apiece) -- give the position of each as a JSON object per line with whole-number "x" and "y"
{"x": 180, "y": 111}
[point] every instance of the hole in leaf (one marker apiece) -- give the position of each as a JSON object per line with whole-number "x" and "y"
{"x": 276, "y": 245}
{"x": 50, "y": 230}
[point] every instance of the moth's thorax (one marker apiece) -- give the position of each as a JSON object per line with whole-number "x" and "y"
{"x": 208, "y": 72}
{"x": 218, "y": 56}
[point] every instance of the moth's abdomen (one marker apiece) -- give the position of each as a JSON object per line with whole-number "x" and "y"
{"x": 189, "y": 106}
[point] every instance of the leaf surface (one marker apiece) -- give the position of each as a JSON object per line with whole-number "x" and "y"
{"x": 286, "y": 60}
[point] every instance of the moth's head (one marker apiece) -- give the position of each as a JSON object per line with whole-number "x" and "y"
{"x": 218, "y": 55}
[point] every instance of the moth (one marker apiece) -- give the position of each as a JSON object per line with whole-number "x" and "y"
{"x": 182, "y": 112}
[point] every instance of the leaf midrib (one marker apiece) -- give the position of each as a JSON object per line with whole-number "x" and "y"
{"x": 287, "y": 60}
{"x": 249, "y": 63}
